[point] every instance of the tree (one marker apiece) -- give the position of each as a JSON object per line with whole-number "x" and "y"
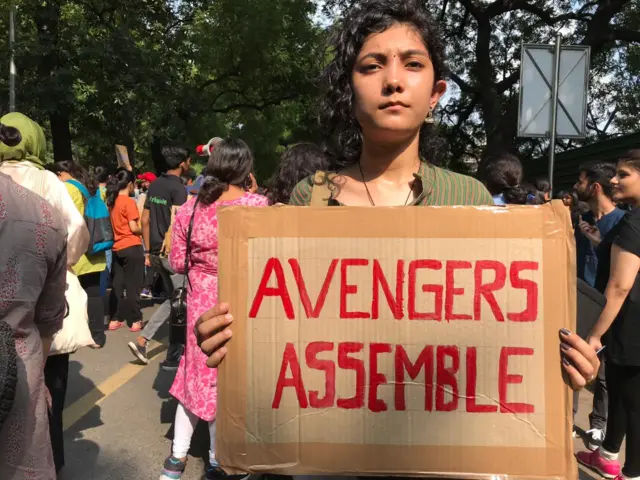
{"x": 100, "y": 72}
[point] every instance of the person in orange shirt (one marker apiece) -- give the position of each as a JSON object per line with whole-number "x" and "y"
{"x": 128, "y": 256}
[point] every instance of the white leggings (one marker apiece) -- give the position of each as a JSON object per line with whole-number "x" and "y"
{"x": 184, "y": 426}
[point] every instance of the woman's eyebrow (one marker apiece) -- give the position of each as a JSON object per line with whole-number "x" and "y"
{"x": 381, "y": 57}
{"x": 414, "y": 53}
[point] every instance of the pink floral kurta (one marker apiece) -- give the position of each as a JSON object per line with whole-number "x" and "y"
{"x": 195, "y": 383}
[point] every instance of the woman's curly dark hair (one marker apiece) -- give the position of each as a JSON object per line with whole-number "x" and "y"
{"x": 296, "y": 164}
{"x": 341, "y": 128}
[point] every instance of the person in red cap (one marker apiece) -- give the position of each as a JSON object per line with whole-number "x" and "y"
{"x": 144, "y": 180}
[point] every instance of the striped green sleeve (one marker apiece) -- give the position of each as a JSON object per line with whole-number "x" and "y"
{"x": 483, "y": 195}
{"x": 301, "y": 195}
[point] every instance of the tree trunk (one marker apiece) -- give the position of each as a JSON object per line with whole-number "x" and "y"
{"x": 61, "y": 136}
{"x": 159, "y": 164}
{"x": 47, "y": 17}
{"x": 490, "y": 101}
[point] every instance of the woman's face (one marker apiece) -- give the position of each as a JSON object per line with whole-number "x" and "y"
{"x": 393, "y": 83}
{"x": 626, "y": 184}
{"x": 568, "y": 201}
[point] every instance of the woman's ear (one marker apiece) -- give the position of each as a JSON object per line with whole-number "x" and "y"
{"x": 439, "y": 89}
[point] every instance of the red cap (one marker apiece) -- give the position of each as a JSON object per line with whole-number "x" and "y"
{"x": 148, "y": 177}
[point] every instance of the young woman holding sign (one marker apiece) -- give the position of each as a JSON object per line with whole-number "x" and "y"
{"x": 382, "y": 86}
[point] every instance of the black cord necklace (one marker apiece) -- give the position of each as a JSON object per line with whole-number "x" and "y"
{"x": 369, "y": 193}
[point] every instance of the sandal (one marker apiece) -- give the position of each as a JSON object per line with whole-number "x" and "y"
{"x": 115, "y": 325}
{"x": 136, "y": 326}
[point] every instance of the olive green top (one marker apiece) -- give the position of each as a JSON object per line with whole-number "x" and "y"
{"x": 440, "y": 187}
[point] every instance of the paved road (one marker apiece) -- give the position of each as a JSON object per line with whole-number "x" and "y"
{"x": 119, "y": 415}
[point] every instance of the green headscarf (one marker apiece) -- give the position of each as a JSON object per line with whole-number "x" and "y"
{"x": 33, "y": 144}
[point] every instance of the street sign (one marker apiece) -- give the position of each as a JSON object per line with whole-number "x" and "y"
{"x": 536, "y": 91}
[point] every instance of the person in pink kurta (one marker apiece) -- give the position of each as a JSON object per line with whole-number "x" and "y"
{"x": 195, "y": 384}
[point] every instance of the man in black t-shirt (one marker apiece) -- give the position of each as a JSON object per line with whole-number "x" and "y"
{"x": 164, "y": 194}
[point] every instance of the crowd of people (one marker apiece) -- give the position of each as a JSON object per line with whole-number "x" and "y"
{"x": 128, "y": 236}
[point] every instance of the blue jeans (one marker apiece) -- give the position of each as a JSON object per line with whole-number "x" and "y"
{"x": 105, "y": 276}
{"x": 170, "y": 280}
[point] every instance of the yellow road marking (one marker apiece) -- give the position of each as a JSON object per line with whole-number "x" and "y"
{"x": 97, "y": 395}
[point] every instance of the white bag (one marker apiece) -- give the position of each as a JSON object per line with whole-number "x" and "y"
{"x": 75, "y": 331}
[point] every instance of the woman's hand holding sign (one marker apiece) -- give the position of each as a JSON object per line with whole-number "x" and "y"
{"x": 213, "y": 332}
{"x": 579, "y": 360}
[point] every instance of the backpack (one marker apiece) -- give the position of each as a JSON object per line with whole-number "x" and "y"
{"x": 96, "y": 216}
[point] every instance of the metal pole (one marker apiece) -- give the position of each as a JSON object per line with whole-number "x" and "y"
{"x": 12, "y": 65}
{"x": 554, "y": 109}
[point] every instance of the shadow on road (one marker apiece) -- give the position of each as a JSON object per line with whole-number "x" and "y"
{"x": 83, "y": 464}
{"x": 81, "y": 456}
{"x": 584, "y": 475}
{"x": 79, "y": 385}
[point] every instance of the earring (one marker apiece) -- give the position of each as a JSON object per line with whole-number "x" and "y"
{"x": 429, "y": 118}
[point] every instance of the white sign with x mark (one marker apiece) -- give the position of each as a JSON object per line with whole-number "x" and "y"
{"x": 536, "y": 81}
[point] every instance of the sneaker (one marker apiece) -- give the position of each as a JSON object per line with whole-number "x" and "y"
{"x": 574, "y": 433}
{"x": 139, "y": 352}
{"x": 136, "y": 326}
{"x": 174, "y": 353}
{"x": 146, "y": 293}
{"x": 595, "y": 461}
{"x": 215, "y": 472}
{"x": 595, "y": 437}
{"x": 173, "y": 469}
{"x": 115, "y": 325}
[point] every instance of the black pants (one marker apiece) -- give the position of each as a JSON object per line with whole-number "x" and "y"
{"x": 624, "y": 415}
{"x": 177, "y": 334}
{"x": 95, "y": 305}
{"x": 149, "y": 278}
{"x": 56, "y": 374}
{"x": 128, "y": 273}
{"x": 598, "y": 415}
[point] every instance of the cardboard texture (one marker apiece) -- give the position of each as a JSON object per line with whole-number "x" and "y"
{"x": 122, "y": 155}
{"x": 397, "y": 341}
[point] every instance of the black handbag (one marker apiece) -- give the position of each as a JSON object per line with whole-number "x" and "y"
{"x": 179, "y": 297}
{"x": 591, "y": 303}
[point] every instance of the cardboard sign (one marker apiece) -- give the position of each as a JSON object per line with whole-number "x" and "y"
{"x": 397, "y": 341}
{"x": 122, "y": 155}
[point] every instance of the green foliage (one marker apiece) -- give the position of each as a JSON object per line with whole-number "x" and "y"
{"x": 142, "y": 73}
{"x": 114, "y": 71}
